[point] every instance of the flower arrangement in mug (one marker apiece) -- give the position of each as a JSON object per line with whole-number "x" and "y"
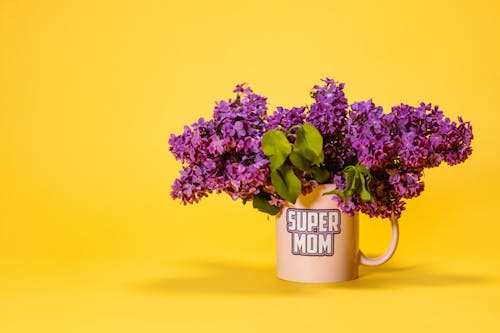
{"x": 375, "y": 159}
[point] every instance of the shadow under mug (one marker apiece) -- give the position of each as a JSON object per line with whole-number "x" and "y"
{"x": 316, "y": 242}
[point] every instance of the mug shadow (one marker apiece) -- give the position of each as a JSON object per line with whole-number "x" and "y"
{"x": 223, "y": 277}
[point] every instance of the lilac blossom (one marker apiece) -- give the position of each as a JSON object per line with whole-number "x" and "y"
{"x": 287, "y": 118}
{"x": 328, "y": 114}
{"x": 397, "y": 147}
{"x": 224, "y": 154}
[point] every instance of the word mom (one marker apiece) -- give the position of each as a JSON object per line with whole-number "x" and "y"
{"x": 312, "y": 230}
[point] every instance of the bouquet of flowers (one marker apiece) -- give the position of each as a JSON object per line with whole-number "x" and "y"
{"x": 375, "y": 159}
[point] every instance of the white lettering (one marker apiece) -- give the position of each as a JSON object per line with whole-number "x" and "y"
{"x": 291, "y": 219}
{"x": 322, "y": 221}
{"x": 325, "y": 243}
{"x": 333, "y": 221}
{"x": 299, "y": 243}
{"x": 312, "y": 244}
{"x": 312, "y": 230}
{"x": 312, "y": 222}
{"x": 302, "y": 221}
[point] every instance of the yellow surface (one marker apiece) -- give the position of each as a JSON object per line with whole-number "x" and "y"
{"x": 90, "y": 91}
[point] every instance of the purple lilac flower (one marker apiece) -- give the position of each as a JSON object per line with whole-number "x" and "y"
{"x": 224, "y": 154}
{"x": 328, "y": 112}
{"x": 189, "y": 147}
{"x": 367, "y": 133}
{"x": 287, "y": 118}
{"x": 397, "y": 147}
{"x": 329, "y": 115}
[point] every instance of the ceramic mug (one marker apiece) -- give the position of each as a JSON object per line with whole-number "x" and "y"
{"x": 316, "y": 242}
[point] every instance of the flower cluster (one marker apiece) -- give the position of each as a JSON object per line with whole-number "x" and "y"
{"x": 224, "y": 154}
{"x": 287, "y": 118}
{"x": 396, "y": 148}
{"x": 327, "y": 113}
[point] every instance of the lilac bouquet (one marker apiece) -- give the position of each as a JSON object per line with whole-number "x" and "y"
{"x": 375, "y": 159}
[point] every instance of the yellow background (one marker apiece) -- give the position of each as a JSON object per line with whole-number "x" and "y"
{"x": 90, "y": 240}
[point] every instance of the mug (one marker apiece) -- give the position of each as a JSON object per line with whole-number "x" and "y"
{"x": 316, "y": 242}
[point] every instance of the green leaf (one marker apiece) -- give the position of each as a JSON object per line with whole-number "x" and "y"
{"x": 362, "y": 169}
{"x": 260, "y": 201}
{"x": 299, "y": 162}
{"x": 366, "y": 196}
{"x": 336, "y": 192}
{"x": 322, "y": 175}
{"x": 357, "y": 180}
{"x": 276, "y": 146}
{"x": 350, "y": 175}
{"x": 309, "y": 144}
{"x": 286, "y": 183}
{"x": 363, "y": 192}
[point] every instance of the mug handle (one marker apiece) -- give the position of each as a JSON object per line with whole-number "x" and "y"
{"x": 364, "y": 260}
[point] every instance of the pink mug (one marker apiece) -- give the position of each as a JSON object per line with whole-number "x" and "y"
{"x": 316, "y": 242}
